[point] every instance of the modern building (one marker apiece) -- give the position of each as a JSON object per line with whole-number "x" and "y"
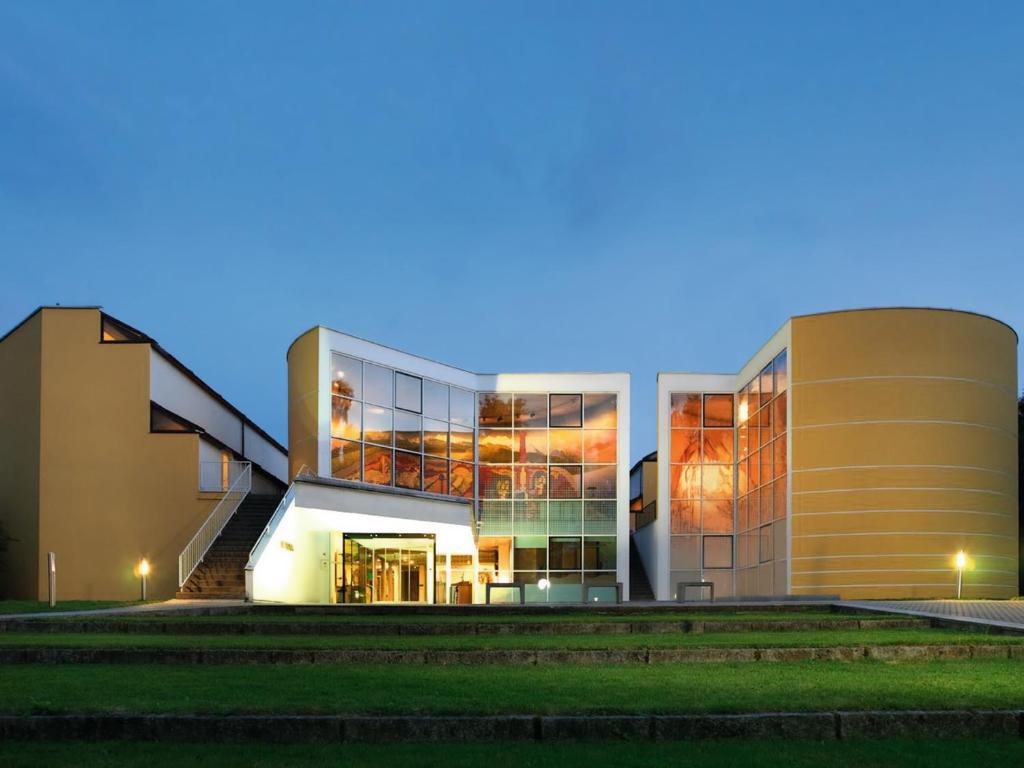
{"x": 111, "y": 452}
{"x": 855, "y": 454}
{"x": 415, "y": 481}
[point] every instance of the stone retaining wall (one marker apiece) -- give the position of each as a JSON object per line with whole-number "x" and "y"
{"x": 819, "y": 726}
{"x": 501, "y": 656}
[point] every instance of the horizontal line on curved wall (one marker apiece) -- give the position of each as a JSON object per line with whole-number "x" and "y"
{"x": 907, "y": 466}
{"x": 876, "y": 511}
{"x": 903, "y": 488}
{"x": 945, "y": 422}
{"x": 905, "y": 584}
{"x": 961, "y": 379}
{"x": 901, "y": 533}
{"x": 914, "y": 554}
{"x": 904, "y": 570}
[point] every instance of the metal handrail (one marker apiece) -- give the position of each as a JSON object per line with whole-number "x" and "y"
{"x": 219, "y": 476}
{"x": 196, "y": 549}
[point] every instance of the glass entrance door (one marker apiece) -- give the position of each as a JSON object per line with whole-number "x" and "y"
{"x": 388, "y": 568}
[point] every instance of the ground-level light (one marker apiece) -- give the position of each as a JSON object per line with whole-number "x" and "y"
{"x": 961, "y": 563}
{"x": 143, "y": 573}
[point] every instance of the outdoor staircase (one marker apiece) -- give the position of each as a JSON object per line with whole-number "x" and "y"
{"x": 639, "y": 585}
{"x": 221, "y": 574}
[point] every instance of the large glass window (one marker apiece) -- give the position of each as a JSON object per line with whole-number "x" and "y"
{"x": 531, "y": 410}
{"x": 346, "y": 418}
{"x": 600, "y": 411}
{"x": 378, "y": 425}
{"x": 566, "y": 411}
{"x": 495, "y": 410}
{"x": 435, "y": 401}
{"x": 378, "y": 385}
{"x": 462, "y": 407}
{"x": 346, "y": 376}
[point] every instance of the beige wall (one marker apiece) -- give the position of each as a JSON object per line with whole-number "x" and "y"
{"x": 904, "y": 451}
{"x": 303, "y": 396}
{"x": 19, "y": 457}
{"x": 110, "y": 491}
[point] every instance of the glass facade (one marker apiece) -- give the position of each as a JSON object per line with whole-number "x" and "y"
{"x": 727, "y": 485}
{"x": 393, "y": 428}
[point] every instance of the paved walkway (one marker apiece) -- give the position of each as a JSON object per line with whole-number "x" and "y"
{"x": 167, "y": 605}
{"x": 1005, "y": 614}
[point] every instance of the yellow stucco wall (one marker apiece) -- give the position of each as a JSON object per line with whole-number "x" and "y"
{"x": 110, "y": 492}
{"x": 904, "y": 451}
{"x": 19, "y": 457}
{"x": 303, "y": 397}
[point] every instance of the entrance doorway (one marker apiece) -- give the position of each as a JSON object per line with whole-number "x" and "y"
{"x": 386, "y": 568}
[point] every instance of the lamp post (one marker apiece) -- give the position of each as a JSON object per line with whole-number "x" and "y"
{"x": 961, "y": 563}
{"x": 143, "y": 573}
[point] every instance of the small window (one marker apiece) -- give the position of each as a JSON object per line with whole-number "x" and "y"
{"x": 408, "y": 392}
{"x": 112, "y": 331}
{"x": 162, "y": 420}
{"x": 566, "y": 411}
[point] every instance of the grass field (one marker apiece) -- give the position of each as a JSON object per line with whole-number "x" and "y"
{"x": 889, "y": 753}
{"x": 751, "y": 639}
{"x": 486, "y": 689}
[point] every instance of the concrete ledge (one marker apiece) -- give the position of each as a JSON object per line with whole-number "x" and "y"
{"x": 501, "y": 656}
{"x": 819, "y": 726}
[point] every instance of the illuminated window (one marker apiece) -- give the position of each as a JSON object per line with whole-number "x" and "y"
{"x": 495, "y": 446}
{"x": 686, "y": 410}
{"x": 531, "y": 445}
{"x": 566, "y": 446}
{"x": 162, "y": 420}
{"x": 496, "y": 482}
{"x": 566, "y": 411}
{"x": 718, "y": 445}
{"x": 718, "y": 411}
{"x": 685, "y": 446}
{"x": 599, "y": 411}
{"x": 717, "y": 516}
{"x": 565, "y": 482}
{"x": 530, "y": 481}
{"x": 599, "y": 553}
{"x": 599, "y": 446}
{"x": 685, "y": 481}
{"x": 685, "y": 516}
{"x": 462, "y": 443}
{"x": 112, "y": 330}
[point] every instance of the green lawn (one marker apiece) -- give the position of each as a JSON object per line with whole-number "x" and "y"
{"x": 889, "y": 753}
{"x": 485, "y": 689}
{"x": 36, "y": 606}
{"x": 750, "y": 639}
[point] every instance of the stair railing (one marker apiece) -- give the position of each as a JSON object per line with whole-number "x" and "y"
{"x": 196, "y": 549}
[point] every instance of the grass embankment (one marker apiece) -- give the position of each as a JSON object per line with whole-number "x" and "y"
{"x": 751, "y": 639}
{"x": 486, "y": 689}
{"x": 8, "y": 607}
{"x": 889, "y": 753}
{"x": 359, "y": 617}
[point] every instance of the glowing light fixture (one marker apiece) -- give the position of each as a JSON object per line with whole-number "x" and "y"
{"x": 543, "y": 584}
{"x": 143, "y": 573}
{"x": 961, "y": 563}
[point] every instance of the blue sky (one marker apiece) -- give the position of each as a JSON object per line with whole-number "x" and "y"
{"x": 507, "y": 186}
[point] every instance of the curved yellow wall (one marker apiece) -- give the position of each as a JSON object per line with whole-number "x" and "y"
{"x": 904, "y": 451}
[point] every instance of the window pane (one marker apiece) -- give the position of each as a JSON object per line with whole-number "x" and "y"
{"x": 378, "y": 385}
{"x": 566, "y": 410}
{"x": 407, "y": 431}
{"x": 346, "y": 418}
{"x": 377, "y": 425}
{"x": 565, "y": 553}
{"x": 530, "y": 517}
{"x": 767, "y": 384}
{"x": 566, "y": 446}
{"x": 766, "y": 553}
{"x": 435, "y": 399}
{"x": 531, "y": 410}
{"x": 685, "y": 481}
{"x": 435, "y": 437}
{"x": 779, "y": 500}
{"x": 599, "y": 518}
{"x": 495, "y": 446}
{"x": 345, "y": 459}
{"x": 565, "y": 517}
{"x": 780, "y": 455}
{"x": 717, "y": 481}
{"x": 530, "y": 481}
{"x": 461, "y": 407}
{"x": 495, "y": 410}
{"x": 407, "y": 470}
{"x": 377, "y": 465}
{"x": 717, "y": 516}
{"x": 462, "y": 480}
{"x": 779, "y": 414}
{"x": 599, "y": 481}
{"x": 685, "y": 553}
{"x": 496, "y": 482}
{"x": 685, "y": 410}
{"x": 685, "y": 447}
{"x": 718, "y": 445}
{"x": 531, "y": 445}
{"x": 599, "y": 553}
{"x": 408, "y": 392}
{"x": 599, "y": 411}
{"x": 766, "y": 504}
{"x": 531, "y": 553}
{"x": 565, "y": 482}
{"x": 599, "y": 445}
{"x": 685, "y": 517}
{"x": 718, "y": 551}
{"x": 462, "y": 443}
{"x": 718, "y": 410}
{"x": 742, "y": 407}
{"x": 781, "y": 372}
{"x": 346, "y": 376}
{"x": 435, "y": 475}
